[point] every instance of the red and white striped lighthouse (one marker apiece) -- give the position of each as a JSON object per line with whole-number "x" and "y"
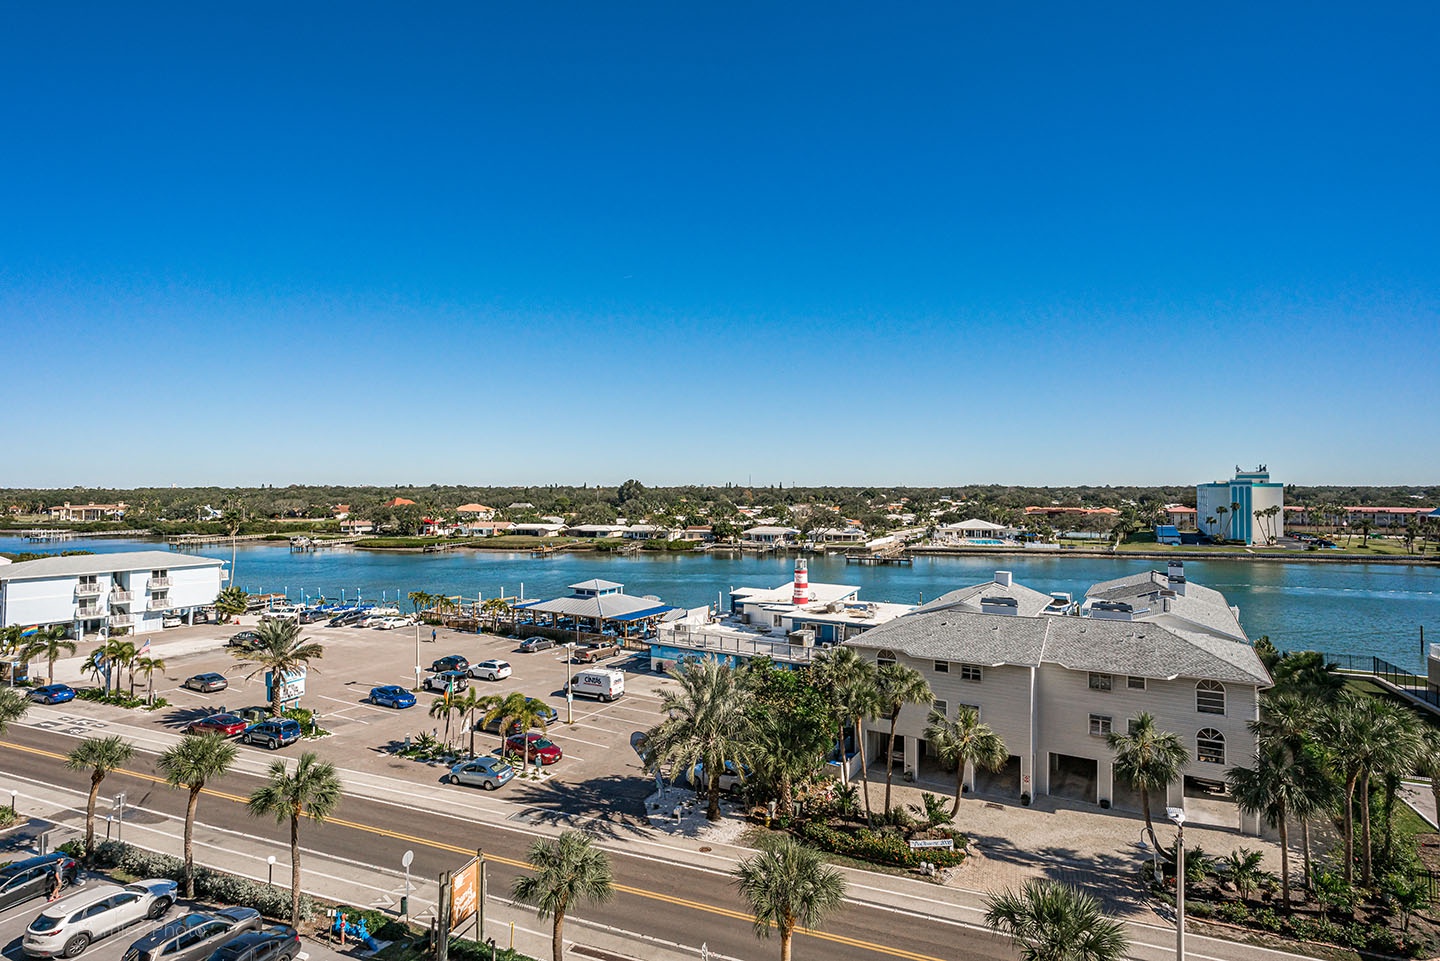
{"x": 802, "y": 583}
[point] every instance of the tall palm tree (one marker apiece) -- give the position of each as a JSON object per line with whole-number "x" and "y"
{"x": 788, "y": 886}
{"x": 118, "y": 654}
{"x": 232, "y": 601}
{"x": 280, "y": 650}
{"x": 1050, "y": 921}
{"x": 191, "y": 763}
{"x": 99, "y": 756}
{"x": 468, "y": 707}
{"x": 898, "y": 685}
{"x": 312, "y": 791}
{"x": 1274, "y": 787}
{"x": 832, "y": 672}
{"x": 148, "y": 666}
{"x": 48, "y": 643}
{"x": 1290, "y": 719}
{"x": 1148, "y": 758}
{"x": 706, "y": 723}
{"x": 1398, "y": 744}
{"x": 965, "y": 742}
{"x": 511, "y": 711}
{"x": 13, "y": 706}
{"x": 568, "y": 871}
{"x": 849, "y": 682}
{"x": 444, "y": 706}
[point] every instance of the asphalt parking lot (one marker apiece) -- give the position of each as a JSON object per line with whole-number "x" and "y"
{"x": 600, "y": 771}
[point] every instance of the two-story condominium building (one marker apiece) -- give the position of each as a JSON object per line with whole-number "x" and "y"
{"x": 93, "y": 594}
{"x": 1053, "y": 685}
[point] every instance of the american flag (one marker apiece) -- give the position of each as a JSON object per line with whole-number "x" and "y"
{"x": 144, "y": 648}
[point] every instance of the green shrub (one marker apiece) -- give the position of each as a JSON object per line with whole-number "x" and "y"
{"x": 864, "y": 844}
{"x": 273, "y": 902}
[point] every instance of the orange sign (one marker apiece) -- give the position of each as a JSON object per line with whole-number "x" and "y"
{"x": 464, "y": 893}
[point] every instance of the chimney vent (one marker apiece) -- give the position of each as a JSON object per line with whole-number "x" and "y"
{"x": 1003, "y": 578}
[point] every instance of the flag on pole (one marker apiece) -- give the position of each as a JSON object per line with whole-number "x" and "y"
{"x": 144, "y": 648}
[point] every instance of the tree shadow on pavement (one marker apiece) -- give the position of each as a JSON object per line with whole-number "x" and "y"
{"x": 613, "y": 805}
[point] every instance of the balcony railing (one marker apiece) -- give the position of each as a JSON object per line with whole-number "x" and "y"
{"x": 121, "y": 620}
{"x": 158, "y": 582}
{"x": 158, "y": 604}
{"x": 87, "y": 590}
{"x": 89, "y": 613}
{"x": 121, "y": 597}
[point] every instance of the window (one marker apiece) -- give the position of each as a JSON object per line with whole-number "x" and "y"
{"x": 970, "y": 707}
{"x": 1210, "y": 697}
{"x": 942, "y": 667}
{"x": 1210, "y": 746}
{"x": 1100, "y": 682}
{"x": 971, "y": 672}
{"x": 1135, "y": 683}
{"x": 1099, "y": 725}
{"x": 884, "y": 656}
{"x": 941, "y": 707}
{"x": 776, "y": 620}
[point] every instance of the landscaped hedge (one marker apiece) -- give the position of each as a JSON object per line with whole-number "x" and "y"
{"x": 210, "y": 885}
{"x": 118, "y": 698}
{"x": 865, "y": 844}
{"x": 1351, "y": 934}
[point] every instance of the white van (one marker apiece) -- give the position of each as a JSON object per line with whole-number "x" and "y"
{"x": 605, "y": 683}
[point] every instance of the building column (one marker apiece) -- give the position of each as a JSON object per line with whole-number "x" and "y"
{"x": 912, "y": 756}
{"x": 1042, "y": 773}
{"x": 1104, "y": 781}
{"x": 1027, "y": 775}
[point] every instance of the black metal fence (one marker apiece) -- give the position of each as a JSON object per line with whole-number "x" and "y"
{"x": 1417, "y": 685}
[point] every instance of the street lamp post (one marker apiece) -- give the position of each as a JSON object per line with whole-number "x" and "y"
{"x": 1178, "y": 816}
{"x": 270, "y": 865}
{"x": 406, "y": 859}
{"x": 569, "y": 694}
{"x": 119, "y": 802}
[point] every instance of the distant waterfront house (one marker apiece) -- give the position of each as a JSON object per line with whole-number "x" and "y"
{"x": 1180, "y": 517}
{"x": 972, "y": 529}
{"x": 650, "y": 532}
{"x": 1053, "y": 686}
{"x": 701, "y": 532}
{"x": 357, "y": 526}
{"x": 597, "y": 607}
{"x": 838, "y": 535}
{"x": 399, "y": 502}
{"x": 772, "y": 535}
{"x": 340, "y": 511}
{"x": 537, "y": 530}
{"x": 521, "y": 506}
{"x": 596, "y": 530}
{"x": 92, "y": 595}
{"x": 477, "y": 512}
{"x": 485, "y": 528}
{"x": 85, "y": 513}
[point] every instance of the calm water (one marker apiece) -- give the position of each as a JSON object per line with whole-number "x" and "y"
{"x": 1341, "y": 608}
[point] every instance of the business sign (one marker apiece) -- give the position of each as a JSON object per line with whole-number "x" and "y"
{"x": 292, "y": 687}
{"x": 464, "y": 893}
{"x": 946, "y": 843}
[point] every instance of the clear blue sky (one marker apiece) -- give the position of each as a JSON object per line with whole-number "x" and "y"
{"x": 829, "y": 243}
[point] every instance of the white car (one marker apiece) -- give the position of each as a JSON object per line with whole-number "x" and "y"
{"x": 391, "y": 623}
{"x": 68, "y": 926}
{"x": 491, "y": 670}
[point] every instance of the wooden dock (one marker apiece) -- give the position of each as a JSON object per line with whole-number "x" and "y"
{"x": 182, "y": 542}
{"x": 889, "y": 554}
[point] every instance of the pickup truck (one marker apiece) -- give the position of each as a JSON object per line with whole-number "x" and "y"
{"x": 596, "y": 652}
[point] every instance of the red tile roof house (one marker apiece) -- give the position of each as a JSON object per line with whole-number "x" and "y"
{"x": 400, "y": 502}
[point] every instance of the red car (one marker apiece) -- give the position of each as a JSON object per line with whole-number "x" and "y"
{"x": 533, "y": 745}
{"x": 225, "y": 725}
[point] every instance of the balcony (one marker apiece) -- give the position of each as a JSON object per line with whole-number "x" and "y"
{"x": 121, "y": 597}
{"x": 121, "y": 620}
{"x": 89, "y": 613}
{"x": 87, "y": 590}
{"x": 158, "y": 604}
{"x": 158, "y": 583}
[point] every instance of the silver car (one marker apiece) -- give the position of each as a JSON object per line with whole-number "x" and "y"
{"x": 195, "y": 936}
{"x": 487, "y": 772}
{"x": 67, "y": 927}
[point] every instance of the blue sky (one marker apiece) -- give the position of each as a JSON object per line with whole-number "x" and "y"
{"x": 833, "y": 243}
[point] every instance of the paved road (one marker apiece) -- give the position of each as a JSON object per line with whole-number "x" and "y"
{"x": 653, "y": 898}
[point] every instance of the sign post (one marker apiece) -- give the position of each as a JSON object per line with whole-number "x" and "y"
{"x": 442, "y": 919}
{"x": 480, "y": 898}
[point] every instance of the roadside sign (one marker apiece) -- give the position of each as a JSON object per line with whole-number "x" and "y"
{"x": 292, "y": 686}
{"x": 464, "y": 893}
{"x": 947, "y": 843}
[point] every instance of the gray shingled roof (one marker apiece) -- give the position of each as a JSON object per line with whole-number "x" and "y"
{"x": 1031, "y": 602}
{"x": 76, "y": 565}
{"x": 1202, "y": 607}
{"x": 955, "y": 635}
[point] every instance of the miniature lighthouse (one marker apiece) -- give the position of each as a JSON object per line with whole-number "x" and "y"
{"x": 802, "y": 584}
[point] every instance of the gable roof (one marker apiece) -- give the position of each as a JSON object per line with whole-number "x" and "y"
{"x": 1200, "y": 608}
{"x": 1031, "y": 602}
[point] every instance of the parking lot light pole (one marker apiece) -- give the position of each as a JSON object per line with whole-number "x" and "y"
{"x": 1178, "y": 816}
{"x": 270, "y": 864}
{"x": 120, "y": 816}
{"x": 569, "y": 674}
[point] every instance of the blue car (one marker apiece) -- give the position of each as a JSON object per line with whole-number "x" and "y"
{"x": 53, "y": 694}
{"x": 391, "y": 695}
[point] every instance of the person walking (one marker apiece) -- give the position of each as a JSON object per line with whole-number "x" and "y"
{"x": 433, "y": 635}
{"x": 57, "y": 880}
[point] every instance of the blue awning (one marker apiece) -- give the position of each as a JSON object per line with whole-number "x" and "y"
{"x": 641, "y": 615}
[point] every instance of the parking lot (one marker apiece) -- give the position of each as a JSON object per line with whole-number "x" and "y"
{"x": 600, "y": 771}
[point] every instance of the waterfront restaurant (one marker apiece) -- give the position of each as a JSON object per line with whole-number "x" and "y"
{"x": 598, "y": 608}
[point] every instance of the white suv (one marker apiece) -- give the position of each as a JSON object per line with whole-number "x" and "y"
{"x": 66, "y": 928}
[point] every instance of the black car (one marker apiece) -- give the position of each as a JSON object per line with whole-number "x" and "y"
{"x": 30, "y": 878}
{"x": 455, "y": 662}
{"x": 245, "y": 639}
{"x": 276, "y": 732}
{"x": 279, "y": 943}
{"x": 310, "y": 617}
{"x": 195, "y": 936}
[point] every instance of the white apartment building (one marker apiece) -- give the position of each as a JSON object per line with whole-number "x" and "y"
{"x": 95, "y": 594}
{"x": 1053, "y": 685}
{"x": 1249, "y": 509}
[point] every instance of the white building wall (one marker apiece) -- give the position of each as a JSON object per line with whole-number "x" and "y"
{"x": 47, "y": 601}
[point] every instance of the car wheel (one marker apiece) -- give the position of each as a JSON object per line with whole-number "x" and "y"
{"x": 75, "y": 945}
{"x": 490, "y": 785}
{"x": 606, "y": 698}
{"x": 159, "y": 909}
{"x": 273, "y": 744}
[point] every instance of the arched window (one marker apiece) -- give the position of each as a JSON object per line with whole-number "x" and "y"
{"x": 1210, "y": 746}
{"x": 1210, "y": 697}
{"x": 884, "y": 656}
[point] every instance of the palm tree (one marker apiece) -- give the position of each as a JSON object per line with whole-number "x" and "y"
{"x": 444, "y": 706}
{"x": 898, "y": 685}
{"x": 118, "y": 654}
{"x": 1050, "y": 921}
{"x": 707, "y": 723}
{"x": 99, "y": 756}
{"x": 48, "y": 643}
{"x": 788, "y": 886}
{"x": 832, "y": 672}
{"x": 1149, "y": 759}
{"x": 1274, "y": 787}
{"x": 191, "y": 763}
{"x": 849, "y": 682}
{"x": 1290, "y": 719}
{"x": 965, "y": 742}
{"x": 511, "y": 711}
{"x": 148, "y": 666}
{"x": 312, "y": 791}
{"x": 568, "y": 871}
{"x": 1398, "y": 744}
{"x": 13, "y": 706}
{"x": 232, "y": 601}
{"x": 785, "y": 748}
{"x": 280, "y": 650}
{"x": 468, "y": 706}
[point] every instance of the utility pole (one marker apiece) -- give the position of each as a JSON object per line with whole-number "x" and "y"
{"x": 442, "y": 919}
{"x": 1178, "y": 816}
{"x": 480, "y": 897}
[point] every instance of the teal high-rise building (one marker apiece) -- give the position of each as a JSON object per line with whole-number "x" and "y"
{"x": 1249, "y": 509}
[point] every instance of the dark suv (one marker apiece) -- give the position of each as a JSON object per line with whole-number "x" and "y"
{"x": 455, "y": 662}
{"x": 273, "y": 944}
{"x": 276, "y": 732}
{"x": 30, "y": 878}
